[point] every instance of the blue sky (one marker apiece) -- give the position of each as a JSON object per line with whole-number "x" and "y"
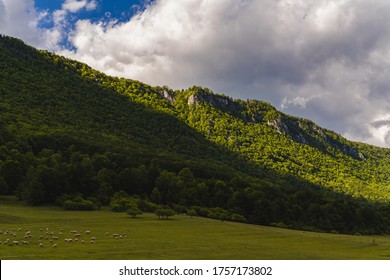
{"x": 121, "y": 10}
{"x": 326, "y": 60}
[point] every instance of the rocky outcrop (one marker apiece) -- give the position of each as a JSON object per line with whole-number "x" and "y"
{"x": 167, "y": 95}
{"x": 214, "y": 100}
{"x": 279, "y": 125}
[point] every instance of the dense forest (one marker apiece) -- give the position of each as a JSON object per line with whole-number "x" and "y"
{"x": 74, "y": 136}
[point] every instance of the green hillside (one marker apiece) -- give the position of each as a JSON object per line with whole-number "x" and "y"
{"x": 68, "y": 130}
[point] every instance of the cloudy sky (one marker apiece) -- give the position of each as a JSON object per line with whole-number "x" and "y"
{"x": 326, "y": 60}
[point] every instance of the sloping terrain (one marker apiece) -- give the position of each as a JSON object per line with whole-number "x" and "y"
{"x": 66, "y": 129}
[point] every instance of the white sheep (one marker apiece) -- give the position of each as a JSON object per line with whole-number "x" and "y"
{"x": 92, "y": 242}
{"x": 55, "y": 245}
{"x": 15, "y": 242}
{"x": 87, "y": 232}
{"x": 41, "y": 245}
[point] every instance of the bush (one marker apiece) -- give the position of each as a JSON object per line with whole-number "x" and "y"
{"x": 164, "y": 212}
{"x": 121, "y": 201}
{"x": 79, "y": 204}
{"x": 279, "y": 225}
{"x": 134, "y": 211}
{"x": 147, "y": 206}
{"x": 238, "y": 218}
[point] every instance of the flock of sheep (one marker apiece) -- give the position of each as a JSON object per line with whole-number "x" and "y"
{"x": 24, "y": 237}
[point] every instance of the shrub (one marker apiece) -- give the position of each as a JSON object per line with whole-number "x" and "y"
{"x": 134, "y": 211}
{"x": 79, "y": 204}
{"x": 164, "y": 212}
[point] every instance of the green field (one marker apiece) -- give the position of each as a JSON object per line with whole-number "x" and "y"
{"x": 181, "y": 237}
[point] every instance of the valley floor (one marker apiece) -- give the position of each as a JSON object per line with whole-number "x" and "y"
{"x": 118, "y": 236}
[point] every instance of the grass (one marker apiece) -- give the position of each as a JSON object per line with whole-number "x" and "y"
{"x": 181, "y": 237}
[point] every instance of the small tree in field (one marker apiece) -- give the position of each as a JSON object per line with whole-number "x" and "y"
{"x": 134, "y": 211}
{"x": 164, "y": 213}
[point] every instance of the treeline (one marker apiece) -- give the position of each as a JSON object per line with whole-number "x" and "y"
{"x": 78, "y": 180}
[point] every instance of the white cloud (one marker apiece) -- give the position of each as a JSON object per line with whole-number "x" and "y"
{"x": 74, "y": 6}
{"x": 19, "y": 18}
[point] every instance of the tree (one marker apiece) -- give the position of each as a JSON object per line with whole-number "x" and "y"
{"x": 164, "y": 213}
{"x": 134, "y": 211}
{"x": 12, "y": 173}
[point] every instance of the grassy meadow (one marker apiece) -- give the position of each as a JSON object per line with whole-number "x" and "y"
{"x": 180, "y": 237}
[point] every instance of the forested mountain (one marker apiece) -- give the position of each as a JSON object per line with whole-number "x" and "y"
{"x": 66, "y": 129}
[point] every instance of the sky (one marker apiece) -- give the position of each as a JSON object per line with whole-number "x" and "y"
{"x": 325, "y": 60}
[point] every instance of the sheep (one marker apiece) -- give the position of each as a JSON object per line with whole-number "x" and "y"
{"x": 93, "y": 238}
{"x": 82, "y": 241}
{"x": 87, "y": 232}
{"x": 92, "y": 242}
{"x": 15, "y": 242}
{"x": 76, "y": 239}
{"x": 107, "y": 233}
{"x": 41, "y": 245}
{"x": 41, "y": 237}
{"x": 115, "y": 235}
{"x": 55, "y": 237}
{"x": 25, "y": 242}
{"x": 124, "y": 235}
{"x": 55, "y": 245}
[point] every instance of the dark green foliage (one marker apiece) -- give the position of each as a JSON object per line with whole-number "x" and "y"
{"x": 121, "y": 202}
{"x": 164, "y": 212}
{"x": 134, "y": 211}
{"x": 79, "y": 204}
{"x": 67, "y": 129}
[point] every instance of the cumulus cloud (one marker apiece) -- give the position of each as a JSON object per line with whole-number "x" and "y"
{"x": 20, "y": 18}
{"x": 74, "y": 6}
